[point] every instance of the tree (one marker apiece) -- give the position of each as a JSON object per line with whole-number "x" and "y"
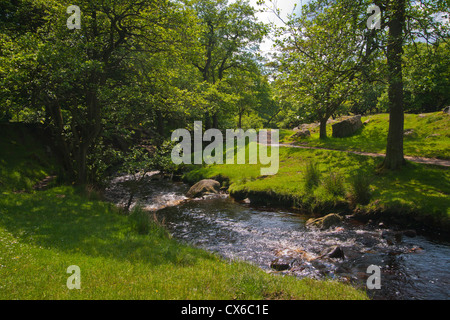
{"x": 77, "y": 74}
{"x": 324, "y": 54}
{"x": 412, "y": 21}
{"x": 402, "y": 22}
{"x": 426, "y": 77}
{"x": 230, "y": 37}
{"x": 394, "y": 149}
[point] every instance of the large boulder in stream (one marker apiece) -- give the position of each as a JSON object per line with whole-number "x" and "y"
{"x": 207, "y": 186}
{"x": 323, "y": 223}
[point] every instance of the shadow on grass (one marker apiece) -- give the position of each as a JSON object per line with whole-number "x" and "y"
{"x": 416, "y": 188}
{"x": 367, "y": 139}
{"x": 62, "y": 220}
{"x": 425, "y": 188}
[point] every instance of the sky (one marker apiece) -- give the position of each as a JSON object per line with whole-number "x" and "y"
{"x": 286, "y": 7}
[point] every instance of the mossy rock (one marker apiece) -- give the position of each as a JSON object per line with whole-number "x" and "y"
{"x": 207, "y": 186}
{"x": 326, "y": 222}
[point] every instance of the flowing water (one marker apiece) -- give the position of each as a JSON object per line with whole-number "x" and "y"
{"x": 411, "y": 267}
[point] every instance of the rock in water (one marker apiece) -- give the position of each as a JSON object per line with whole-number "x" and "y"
{"x": 333, "y": 252}
{"x": 281, "y": 264}
{"x": 203, "y": 187}
{"x": 347, "y": 127}
{"x": 326, "y": 222}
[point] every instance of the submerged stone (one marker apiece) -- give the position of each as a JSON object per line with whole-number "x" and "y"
{"x": 203, "y": 187}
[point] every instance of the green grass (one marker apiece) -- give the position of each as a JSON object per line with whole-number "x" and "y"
{"x": 430, "y": 137}
{"x": 420, "y": 189}
{"x": 22, "y": 165}
{"x": 42, "y": 233}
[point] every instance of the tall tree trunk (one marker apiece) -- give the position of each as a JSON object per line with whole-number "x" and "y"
{"x": 88, "y": 135}
{"x": 215, "y": 119}
{"x": 323, "y": 128}
{"x": 394, "y": 149}
{"x": 82, "y": 164}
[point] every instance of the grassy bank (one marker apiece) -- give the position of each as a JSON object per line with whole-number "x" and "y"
{"x": 427, "y": 135}
{"x": 42, "y": 233}
{"x": 418, "y": 194}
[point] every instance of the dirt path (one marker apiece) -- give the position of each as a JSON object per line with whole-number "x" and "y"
{"x": 436, "y": 162}
{"x": 432, "y": 161}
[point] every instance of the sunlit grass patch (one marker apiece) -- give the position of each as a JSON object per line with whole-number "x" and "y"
{"x": 418, "y": 188}
{"x": 428, "y": 135}
{"x": 116, "y": 262}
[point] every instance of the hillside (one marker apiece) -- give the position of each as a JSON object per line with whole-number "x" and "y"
{"x": 427, "y": 135}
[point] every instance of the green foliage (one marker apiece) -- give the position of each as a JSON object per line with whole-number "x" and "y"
{"x": 227, "y": 66}
{"x": 140, "y": 159}
{"x": 77, "y": 81}
{"x": 427, "y": 77}
{"x": 321, "y": 59}
{"x": 312, "y": 175}
{"x": 334, "y": 184}
{"x": 162, "y": 158}
{"x": 44, "y": 232}
{"x": 360, "y": 192}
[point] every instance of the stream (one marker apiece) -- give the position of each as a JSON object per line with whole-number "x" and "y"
{"x": 412, "y": 267}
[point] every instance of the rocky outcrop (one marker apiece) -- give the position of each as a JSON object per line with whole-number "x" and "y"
{"x": 203, "y": 187}
{"x": 347, "y": 127}
{"x": 409, "y": 133}
{"x": 323, "y": 223}
{"x": 446, "y": 110}
{"x": 302, "y": 134}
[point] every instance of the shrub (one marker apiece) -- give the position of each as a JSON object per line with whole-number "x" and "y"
{"x": 141, "y": 219}
{"x": 360, "y": 188}
{"x": 145, "y": 223}
{"x": 312, "y": 175}
{"x": 334, "y": 184}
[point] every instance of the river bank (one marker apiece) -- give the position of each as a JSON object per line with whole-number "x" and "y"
{"x": 43, "y": 232}
{"x": 285, "y": 242}
{"x": 417, "y": 197}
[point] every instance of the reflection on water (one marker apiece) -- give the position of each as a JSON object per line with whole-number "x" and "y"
{"x": 152, "y": 194}
{"x": 412, "y": 268}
